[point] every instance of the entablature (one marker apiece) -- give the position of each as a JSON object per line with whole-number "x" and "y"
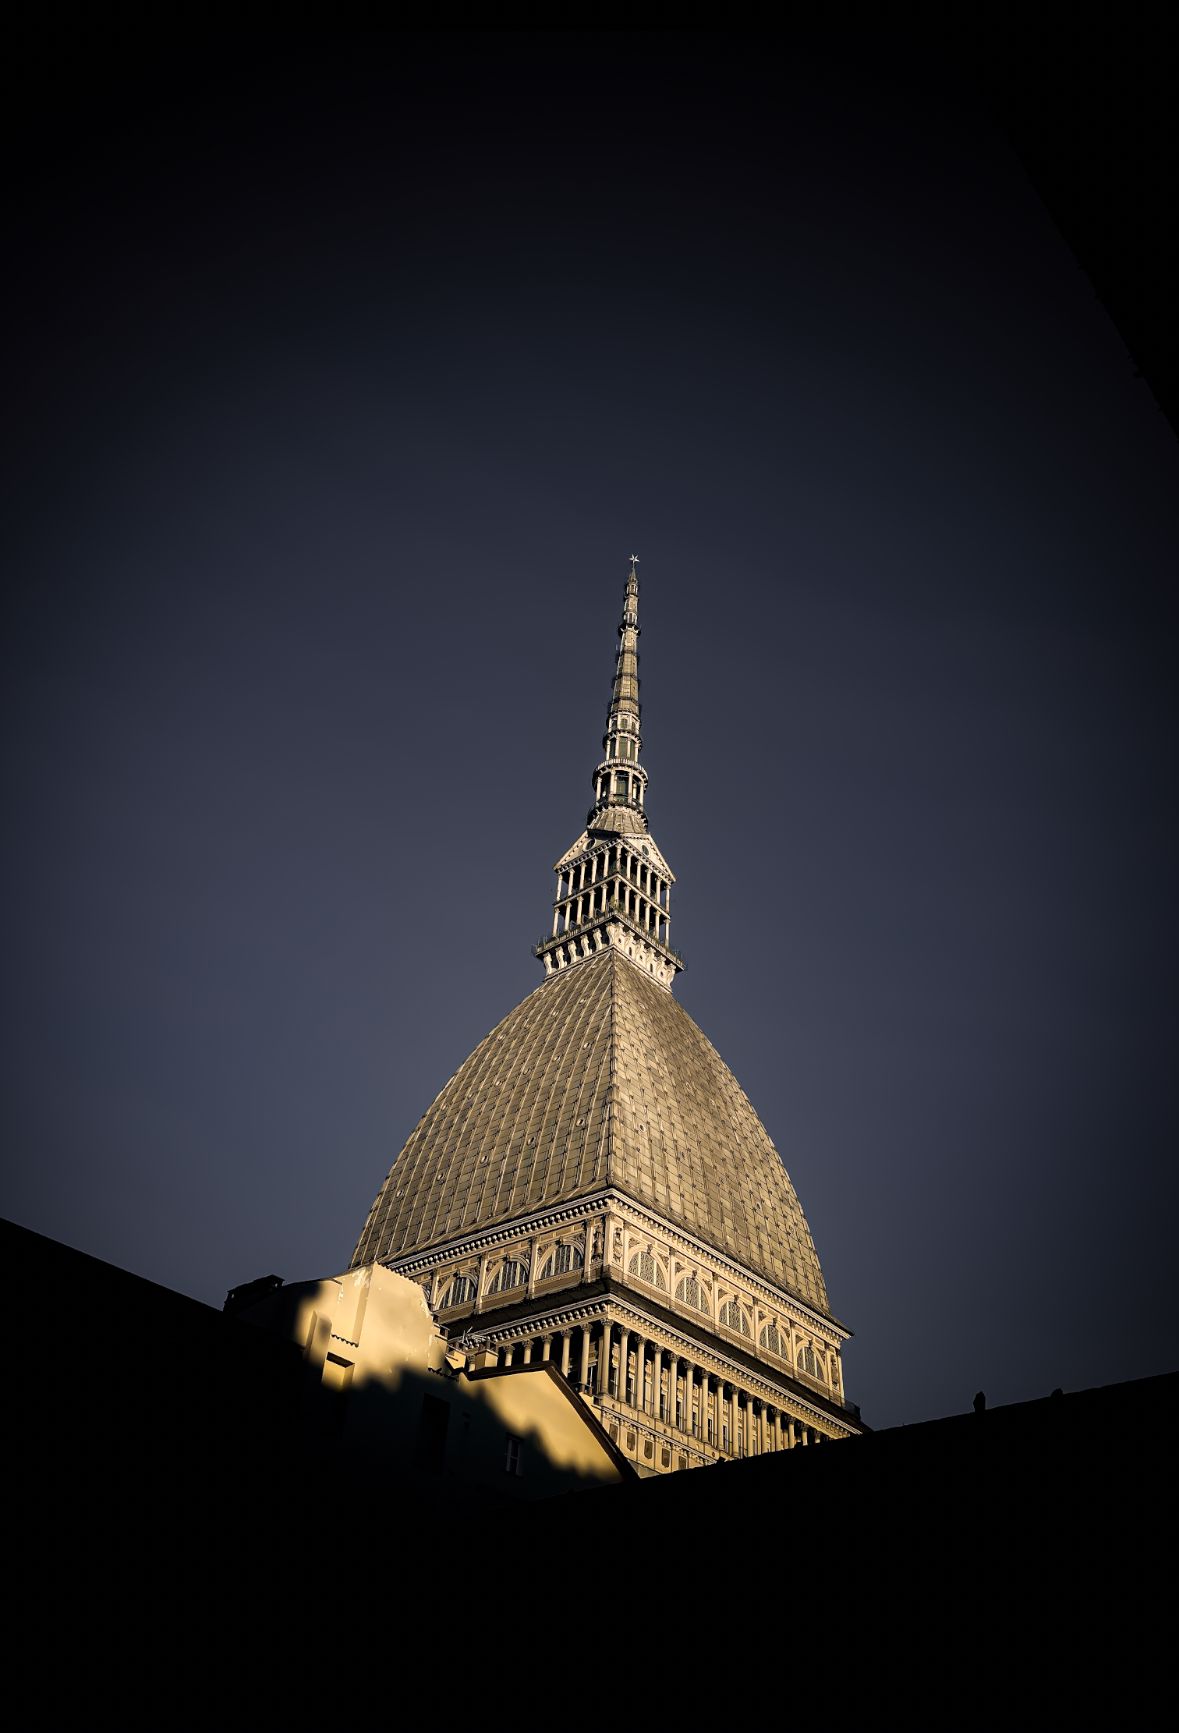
{"x": 612, "y": 1245}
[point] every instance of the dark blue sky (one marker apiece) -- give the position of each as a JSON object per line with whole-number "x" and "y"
{"x": 346, "y": 377}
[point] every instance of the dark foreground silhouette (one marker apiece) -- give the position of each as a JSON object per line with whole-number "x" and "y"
{"x": 188, "y": 1546}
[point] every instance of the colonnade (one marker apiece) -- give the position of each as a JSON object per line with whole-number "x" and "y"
{"x": 583, "y": 891}
{"x": 643, "y": 1376}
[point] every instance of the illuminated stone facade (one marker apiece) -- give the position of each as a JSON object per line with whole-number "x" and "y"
{"x": 593, "y": 1187}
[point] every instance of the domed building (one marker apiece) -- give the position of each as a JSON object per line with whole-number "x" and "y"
{"x": 593, "y": 1186}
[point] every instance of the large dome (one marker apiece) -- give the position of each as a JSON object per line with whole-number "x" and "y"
{"x": 598, "y": 1078}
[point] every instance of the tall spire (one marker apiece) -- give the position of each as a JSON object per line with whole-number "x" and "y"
{"x": 620, "y": 782}
{"x": 613, "y": 885}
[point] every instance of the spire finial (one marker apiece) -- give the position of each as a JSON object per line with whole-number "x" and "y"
{"x": 613, "y": 885}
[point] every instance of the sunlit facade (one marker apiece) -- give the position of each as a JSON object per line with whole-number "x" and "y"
{"x": 593, "y": 1188}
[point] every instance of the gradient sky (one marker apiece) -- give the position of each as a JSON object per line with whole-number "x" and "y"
{"x": 344, "y": 378}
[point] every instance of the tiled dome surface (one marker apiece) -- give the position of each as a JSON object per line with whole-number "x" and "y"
{"x": 599, "y": 1076}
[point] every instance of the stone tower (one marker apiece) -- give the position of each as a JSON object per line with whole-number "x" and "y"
{"x": 593, "y": 1186}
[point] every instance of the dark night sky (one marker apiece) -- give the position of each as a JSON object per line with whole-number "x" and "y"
{"x": 344, "y": 377}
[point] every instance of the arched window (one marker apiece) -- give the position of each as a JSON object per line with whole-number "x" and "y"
{"x": 512, "y": 1273}
{"x": 807, "y": 1361}
{"x": 561, "y": 1259}
{"x": 734, "y": 1318}
{"x": 771, "y": 1338}
{"x": 692, "y": 1293}
{"x": 644, "y": 1266}
{"x": 460, "y": 1292}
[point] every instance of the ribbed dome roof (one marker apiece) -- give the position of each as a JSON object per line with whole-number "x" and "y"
{"x": 598, "y": 1077}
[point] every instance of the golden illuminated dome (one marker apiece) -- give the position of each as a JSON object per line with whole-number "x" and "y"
{"x": 598, "y": 1079}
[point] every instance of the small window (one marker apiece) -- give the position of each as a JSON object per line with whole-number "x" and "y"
{"x": 511, "y": 1274}
{"x": 512, "y": 1463}
{"x": 646, "y": 1268}
{"x": 562, "y": 1259}
{"x": 691, "y": 1292}
{"x": 733, "y": 1318}
{"x": 460, "y": 1292}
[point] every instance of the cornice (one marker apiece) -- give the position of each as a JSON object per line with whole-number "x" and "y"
{"x": 783, "y": 1298}
{"x": 603, "y": 1302}
{"x": 601, "y": 1199}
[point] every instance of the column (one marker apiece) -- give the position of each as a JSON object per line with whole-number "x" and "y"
{"x": 546, "y": 1348}
{"x": 604, "y": 1350}
{"x": 528, "y": 1352}
{"x": 656, "y": 1380}
{"x": 640, "y": 1373}
{"x": 564, "y": 1353}
{"x": 509, "y": 1353}
{"x": 533, "y": 1269}
{"x": 481, "y": 1282}
{"x": 623, "y": 1359}
{"x": 778, "y": 1430}
{"x": 583, "y": 1374}
{"x": 733, "y": 1419}
{"x": 689, "y": 1379}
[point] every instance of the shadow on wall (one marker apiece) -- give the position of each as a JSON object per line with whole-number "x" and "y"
{"x": 392, "y": 1397}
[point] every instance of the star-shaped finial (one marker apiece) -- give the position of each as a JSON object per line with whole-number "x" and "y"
{"x": 634, "y": 559}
